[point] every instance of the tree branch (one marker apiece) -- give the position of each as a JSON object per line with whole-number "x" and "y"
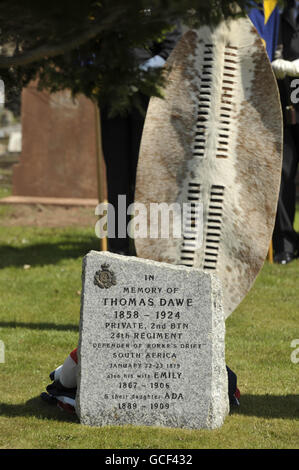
{"x": 52, "y": 50}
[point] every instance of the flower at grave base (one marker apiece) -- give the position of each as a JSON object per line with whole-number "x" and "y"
{"x": 105, "y": 278}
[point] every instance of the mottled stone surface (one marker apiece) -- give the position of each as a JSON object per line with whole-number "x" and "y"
{"x": 216, "y": 139}
{"x": 151, "y": 349}
{"x": 59, "y": 146}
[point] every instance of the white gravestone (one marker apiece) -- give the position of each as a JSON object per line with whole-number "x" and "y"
{"x": 151, "y": 348}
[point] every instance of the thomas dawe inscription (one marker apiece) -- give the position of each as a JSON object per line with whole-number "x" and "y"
{"x": 152, "y": 345}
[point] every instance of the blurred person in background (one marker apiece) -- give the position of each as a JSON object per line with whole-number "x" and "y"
{"x": 121, "y": 137}
{"x": 286, "y": 68}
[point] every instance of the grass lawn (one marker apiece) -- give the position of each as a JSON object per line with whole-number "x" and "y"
{"x": 39, "y": 315}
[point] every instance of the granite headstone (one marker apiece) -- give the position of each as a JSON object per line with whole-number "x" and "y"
{"x": 152, "y": 345}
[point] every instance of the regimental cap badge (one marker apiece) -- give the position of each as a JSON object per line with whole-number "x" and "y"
{"x": 105, "y": 278}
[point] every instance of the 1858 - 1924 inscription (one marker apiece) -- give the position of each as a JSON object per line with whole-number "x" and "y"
{"x": 146, "y": 343}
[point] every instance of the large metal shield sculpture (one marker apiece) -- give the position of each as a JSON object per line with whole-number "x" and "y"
{"x": 215, "y": 140}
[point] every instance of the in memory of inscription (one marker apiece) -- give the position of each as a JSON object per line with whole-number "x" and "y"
{"x": 151, "y": 349}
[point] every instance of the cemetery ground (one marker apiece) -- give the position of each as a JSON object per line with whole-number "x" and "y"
{"x": 41, "y": 250}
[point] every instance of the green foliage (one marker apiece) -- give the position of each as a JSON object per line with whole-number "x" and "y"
{"x": 102, "y": 67}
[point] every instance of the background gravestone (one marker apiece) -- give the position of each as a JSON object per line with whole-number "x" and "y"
{"x": 59, "y": 146}
{"x": 152, "y": 341}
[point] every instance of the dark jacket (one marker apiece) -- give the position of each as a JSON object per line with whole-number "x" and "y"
{"x": 288, "y": 49}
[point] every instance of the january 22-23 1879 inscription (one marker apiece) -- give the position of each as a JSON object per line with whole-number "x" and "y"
{"x": 151, "y": 349}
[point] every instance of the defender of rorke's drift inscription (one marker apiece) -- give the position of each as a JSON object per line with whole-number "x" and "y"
{"x": 105, "y": 278}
